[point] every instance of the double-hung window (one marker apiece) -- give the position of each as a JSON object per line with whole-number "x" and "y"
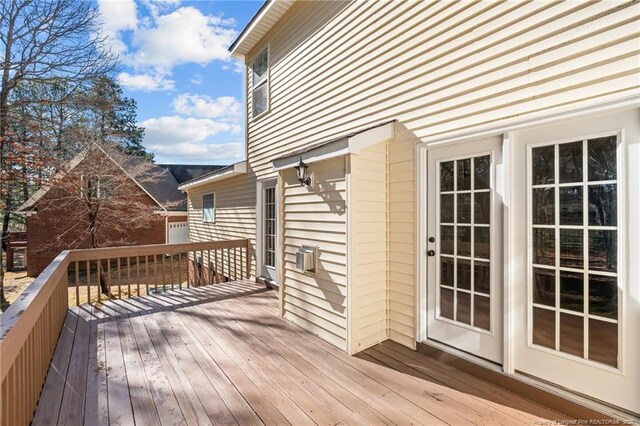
{"x": 260, "y": 83}
{"x": 209, "y": 208}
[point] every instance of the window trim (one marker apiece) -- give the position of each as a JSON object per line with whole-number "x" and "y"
{"x": 266, "y": 82}
{"x": 213, "y": 208}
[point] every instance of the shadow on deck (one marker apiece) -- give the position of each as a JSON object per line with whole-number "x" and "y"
{"x": 220, "y": 354}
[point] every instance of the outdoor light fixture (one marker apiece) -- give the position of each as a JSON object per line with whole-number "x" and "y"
{"x": 301, "y": 173}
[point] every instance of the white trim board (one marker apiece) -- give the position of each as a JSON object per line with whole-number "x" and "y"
{"x": 349, "y": 144}
{"x": 225, "y": 173}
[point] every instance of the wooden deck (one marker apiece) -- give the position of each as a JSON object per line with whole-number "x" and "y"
{"x": 220, "y": 355}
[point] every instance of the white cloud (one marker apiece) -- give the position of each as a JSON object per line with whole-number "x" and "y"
{"x": 182, "y": 36}
{"x": 117, "y": 16}
{"x": 172, "y": 130}
{"x": 145, "y": 82}
{"x": 215, "y": 153}
{"x": 224, "y": 107}
{"x": 179, "y": 139}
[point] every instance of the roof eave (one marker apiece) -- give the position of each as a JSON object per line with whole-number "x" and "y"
{"x": 222, "y": 174}
{"x": 270, "y": 11}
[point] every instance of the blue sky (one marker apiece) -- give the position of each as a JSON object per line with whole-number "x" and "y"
{"x": 175, "y": 64}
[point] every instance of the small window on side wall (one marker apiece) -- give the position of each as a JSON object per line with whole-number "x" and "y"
{"x": 209, "y": 208}
{"x": 260, "y": 81}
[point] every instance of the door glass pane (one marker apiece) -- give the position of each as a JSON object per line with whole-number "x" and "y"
{"x": 571, "y": 248}
{"x": 463, "y": 174}
{"x": 464, "y": 208}
{"x": 572, "y": 334}
{"x": 570, "y": 162}
{"x": 465, "y": 236}
{"x": 544, "y": 286}
{"x": 572, "y": 291}
{"x": 575, "y": 181}
{"x": 482, "y": 241}
{"x": 269, "y": 227}
{"x": 603, "y": 296}
{"x": 603, "y": 205}
{"x": 446, "y": 303}
{"x": 482, "y": 207}
{"x": 482, "y": 175}
{"x": 446, "y": 240}
{"x": 446, "y": 271}
{"x": 446, "y": 208}
{"x": 463, "y": 309}
{"x": 543, "y": 200}
{"x": 602, "y": 158}
{"x": 464, "y": 240}
{"x": 603, "y": 252}
{"x": 603, "y": 342}
{"x": 544, "y": 246}
{"x": 481, "y": 312}
{"x": 446, "y": 176}
{"x": 542, "y": 164}
{"x": 571, "y": 205}
{"x": 544, "y": 328}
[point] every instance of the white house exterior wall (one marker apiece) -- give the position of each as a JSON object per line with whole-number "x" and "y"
{"x": 438, "y": 68}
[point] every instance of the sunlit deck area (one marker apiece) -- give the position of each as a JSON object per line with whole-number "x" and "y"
{"x": 220, "y": 354}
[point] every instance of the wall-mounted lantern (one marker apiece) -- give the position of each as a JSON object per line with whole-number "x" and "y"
{"x": 302, "y": 172}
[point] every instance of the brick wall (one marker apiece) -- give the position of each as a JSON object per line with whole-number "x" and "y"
{"x": 51, "y": 230}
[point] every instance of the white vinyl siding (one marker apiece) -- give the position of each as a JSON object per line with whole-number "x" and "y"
{"x": 235, "y": 212}
{"x": 317, "y": 217}
{"x": 438, "y": 68}
{"x": 209, "y": 208}
{"x": 369, "y": 247}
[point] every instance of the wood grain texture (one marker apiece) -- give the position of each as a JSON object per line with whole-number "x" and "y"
{"x": 220, "y": 354}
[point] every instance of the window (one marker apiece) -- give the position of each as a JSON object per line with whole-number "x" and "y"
{"x": 260, "y": 92}
{"x": 97, "y": 187}
{"x": 209, "y": 208}
{"x": 573, "y": 255}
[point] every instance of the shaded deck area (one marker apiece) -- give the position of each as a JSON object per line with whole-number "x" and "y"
{"x": 220, "y": 354}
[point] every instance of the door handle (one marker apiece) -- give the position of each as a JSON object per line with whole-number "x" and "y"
{"x": 431, "y": 253}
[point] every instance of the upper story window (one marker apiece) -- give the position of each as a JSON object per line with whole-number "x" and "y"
{"x": 96, "y": 187}
{"x": 260, "y": 91}
{"x": 209, "y": 208}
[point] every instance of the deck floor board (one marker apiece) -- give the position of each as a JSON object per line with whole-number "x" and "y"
{"x": 219, "y": 354}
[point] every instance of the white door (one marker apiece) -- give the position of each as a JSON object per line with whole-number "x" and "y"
{"x": 577, "y": 240}
{"x": 464, "y": 267}
{"x": 268, "y": 230}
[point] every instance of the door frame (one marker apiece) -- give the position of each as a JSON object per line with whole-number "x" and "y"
{"x": 260, "y": 216}
{"x": 511, "y": 271}
{"x": 498, "y": 253}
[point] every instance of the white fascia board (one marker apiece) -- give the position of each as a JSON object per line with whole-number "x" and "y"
{"x": 346, "y": 146}
{"x": 234, "y": 170}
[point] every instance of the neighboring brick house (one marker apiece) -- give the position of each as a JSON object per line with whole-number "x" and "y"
{"x": 51, "y": 230}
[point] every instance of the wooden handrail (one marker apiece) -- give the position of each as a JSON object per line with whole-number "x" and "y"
{"x": 28, "y": 336}
{"x": 30, "y": 327}
{"x": 148, "y": 250}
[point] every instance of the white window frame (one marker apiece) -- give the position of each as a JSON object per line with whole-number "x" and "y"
{"x": 265, "y": 82}
{"x": 213, "y": 208}
{"x": 260, "y": 187}
{"x": 621, "y": 248}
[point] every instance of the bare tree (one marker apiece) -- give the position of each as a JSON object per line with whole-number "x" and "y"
{"x": 42, "y": 42}
{"x": 96, "y": 200}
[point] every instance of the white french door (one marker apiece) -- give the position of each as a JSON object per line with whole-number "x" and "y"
{"x": 576, "y": 237}
{"x": 464, "y": 259}
{"x": 268, "y": 230}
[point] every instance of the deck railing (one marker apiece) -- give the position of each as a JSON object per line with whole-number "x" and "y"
{"x": 29, "y": 329}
